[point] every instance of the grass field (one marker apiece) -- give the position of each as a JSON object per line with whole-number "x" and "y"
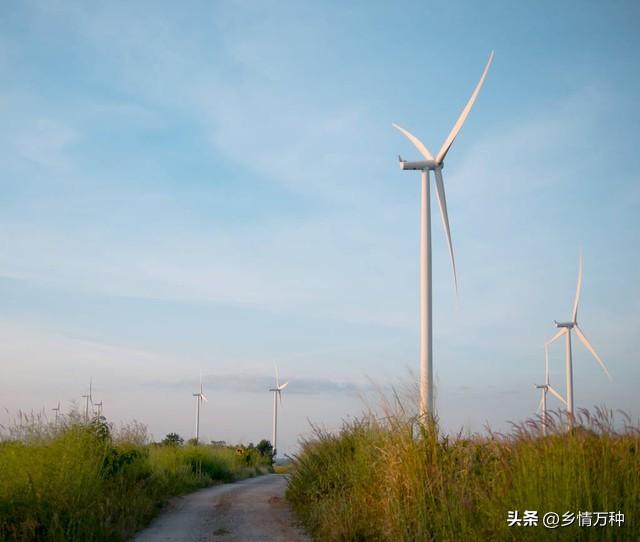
{"x": 84, "y": 482}
{"x": 392, "y": 480}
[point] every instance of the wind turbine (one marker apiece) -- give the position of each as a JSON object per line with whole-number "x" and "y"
{"x": 546, "y": 387}
{"x": 425, "y": 166}
{"x": 565, "y": 329}
{"x": 200, "y": 396}
{"x": 88, "y": 398}
{"x": 277, "y": 396}
{"x": 57, "y": 411}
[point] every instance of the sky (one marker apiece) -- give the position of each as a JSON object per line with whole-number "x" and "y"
{"x": 214, "y": 186}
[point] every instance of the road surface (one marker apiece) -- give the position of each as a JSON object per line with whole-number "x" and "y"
{"x": 253, "y": 510}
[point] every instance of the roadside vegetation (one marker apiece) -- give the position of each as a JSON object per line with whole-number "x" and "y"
{"x": 76, "y": 481}
{"x": 390, "y": 479}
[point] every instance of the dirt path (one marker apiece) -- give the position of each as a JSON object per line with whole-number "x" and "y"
{"x": 251, "y": 510}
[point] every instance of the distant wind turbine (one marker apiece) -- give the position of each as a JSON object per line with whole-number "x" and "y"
{"x": 425, "y": 166}
{"x": 565, "y": 329}
{"x": 200, "y": 396}
{"x": 545, "y": 388}
{"x": 89, "y": 399}
{"x": 57, "y": 411}
{"x": 277, "y": 396}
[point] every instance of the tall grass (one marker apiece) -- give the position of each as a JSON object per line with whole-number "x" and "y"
{"x": 80, "y": 482}
{"x": 392, "y": 480}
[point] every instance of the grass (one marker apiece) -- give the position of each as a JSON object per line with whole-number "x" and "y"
{"x": 82, "y": 482}
{"x": 393, "y": 480}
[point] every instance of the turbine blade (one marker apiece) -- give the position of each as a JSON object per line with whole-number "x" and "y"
{"x": 458, "y": 125}
{"x": 554, "y": 392}
{"x": 277, "y": 377}
{"x": 541, "y": 402}
{"x": 574, "y": 317}
{"x": 591, "y": 349}
{"x": 204, "y": 397}
{"x": 284, "y": 385}
{"x": 560, "y": 333}
{"x": 280, "y": 396}
{"x": 442, "y": 202}
{"x": 416, "y": 142}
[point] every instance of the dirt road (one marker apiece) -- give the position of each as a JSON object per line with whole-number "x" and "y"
{"x": 251, "y": 510}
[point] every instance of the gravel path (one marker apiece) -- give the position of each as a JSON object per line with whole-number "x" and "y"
{"x": 251, "y": 510}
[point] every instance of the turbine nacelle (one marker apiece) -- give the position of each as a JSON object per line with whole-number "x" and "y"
{"x": 568, "y": 325}
{"x": 420, "y": 165}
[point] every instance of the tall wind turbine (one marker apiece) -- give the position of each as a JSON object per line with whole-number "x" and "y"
{"x": 89, "y": 399}
{"x": 425, "y": 166}
{"x": 200, "y": 396}
{"x": 565, "y": 329}
{"x": 277, "y": 396}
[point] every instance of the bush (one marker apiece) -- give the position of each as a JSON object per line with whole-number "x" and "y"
{"x": 79, "y": 482}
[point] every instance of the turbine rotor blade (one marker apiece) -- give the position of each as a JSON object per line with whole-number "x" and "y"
{"x": 204, "y": 397}
{"x": 277, "y": 377}
{"x": 458, "y": 125}
{"x": 442, "y": 202}
{"x": 591, "y": 349}
{"x": 416, "y": 142}
{"x": 284, "y": 385}
{"x": 574, "y": 316}
{"x": 560, "y": 333}
{"x": 541, "y": 402}
{"x": 280, "y": 396}
{"x": 557, "y": 395}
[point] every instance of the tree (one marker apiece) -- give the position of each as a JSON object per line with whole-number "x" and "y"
{"x": 265, "y": 448}
{"x": 173, "y": 439}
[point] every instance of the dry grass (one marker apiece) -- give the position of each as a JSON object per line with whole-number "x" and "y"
{"x": 391, "y": 479}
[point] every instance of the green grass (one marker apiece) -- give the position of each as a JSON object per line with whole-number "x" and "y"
{"x": 393, "y": 480}
{"x": 80, "y": 482}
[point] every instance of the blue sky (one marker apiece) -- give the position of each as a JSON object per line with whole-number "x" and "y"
{"x": 215, "y": 186}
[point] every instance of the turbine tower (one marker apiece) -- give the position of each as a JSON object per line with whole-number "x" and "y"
{"x": 425, "y": 166}
{"x": 277, "y": 396}
{"x": 200, "y": 396}
{"x": 565, "y": 329}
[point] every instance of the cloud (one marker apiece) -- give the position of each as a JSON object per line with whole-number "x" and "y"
{"x": 242, "y": 382}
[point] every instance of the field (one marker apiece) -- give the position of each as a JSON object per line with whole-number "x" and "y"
{"x": 83, "y": 481}
{"x": 390, "y": 479}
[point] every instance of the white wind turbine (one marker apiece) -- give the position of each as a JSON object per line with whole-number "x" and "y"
{"x": 425, "y": 166}
{"x": 200, "y": 396}
{"x": 546, "y": 387}
{"x": 565, "y": 329}
{"x": 277, "y": 396}
{"x": 57, "y": 411}
{"x": 89, "y": 399}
